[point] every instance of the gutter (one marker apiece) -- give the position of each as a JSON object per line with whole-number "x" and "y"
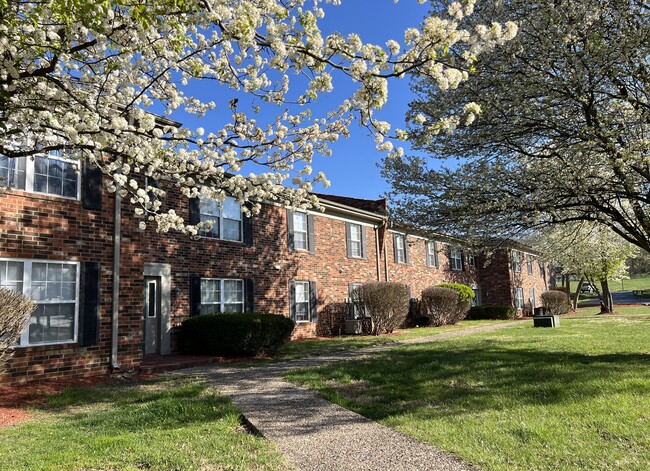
{"x": 377, "y": 258}
{"x": 117, "y": 246}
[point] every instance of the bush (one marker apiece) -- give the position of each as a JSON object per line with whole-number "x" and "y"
{"x": 465, "y": 293}
{"x": 235, "y": 334}
{"x": 555, "y": 303}
{"x": 442, "y": 305}
{"x": 492, "y": 312}
{"x": 386, "y": 304}
{"x": 15, "y": 310}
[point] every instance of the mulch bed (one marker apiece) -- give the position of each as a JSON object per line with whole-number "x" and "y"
{"x": 16, "y": 400}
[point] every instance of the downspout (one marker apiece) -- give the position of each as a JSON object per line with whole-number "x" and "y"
{"x": 385, "y": 253}
{"x": 378, "y": 254}
{"x": 117, "y": 246}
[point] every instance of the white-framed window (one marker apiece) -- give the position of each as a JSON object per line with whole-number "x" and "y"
{"x": 471, "y": 260}
{"x": 356, "y": 244}
{"x": 221, "y": 295}
{"x": 529, "y": 263}
{"x": 49, "y": 174}
{"x": 456, "y": 258}
{"x": 54, "y": 286}
{"x": 516, "y": 261}
{"x": 400, "y": 248}
{"x": 226, "y": 219}
{"x": 300, "y": 231}
{"x": 432, "y": 254}
{"x": 531, "y": 298}
{"x": 519, "y": 298}
{"x": 301, "y": 302}
{"x": 542, "y": 270}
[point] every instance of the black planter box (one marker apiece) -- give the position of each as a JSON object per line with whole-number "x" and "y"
{"x": 546, "y": 321}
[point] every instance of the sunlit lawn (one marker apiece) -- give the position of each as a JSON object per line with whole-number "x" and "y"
{"x": 314, "y": 347}
{"x": 572, "y": 398}
{"x": 168, "y": 424}
{"x": 618, "y": 310}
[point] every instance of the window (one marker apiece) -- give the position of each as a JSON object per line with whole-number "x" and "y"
{"x": 226, "y": 219}
{"x": 519, "y": 298}
{"x": 455, "y": 258}
{"x": 400, "y": 248}
{"x": 300, "y": 232}
{"x": 471, "y": 259}
{"x": 529, "y": 263}
{"x": 516, "y": 261}
{"x": 432, "y": 253}
{"x": 301, "y": 304}
{"x": 51, "y": 174}
{"x": 54, "y": 287}
{"x": 542, "y": 270}
{"x": 531, "y": 298}
{"x": 355, "y": 240}
{"x": 219, "y": 295}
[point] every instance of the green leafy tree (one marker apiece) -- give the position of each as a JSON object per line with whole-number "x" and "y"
{"x": 563, "y": 131}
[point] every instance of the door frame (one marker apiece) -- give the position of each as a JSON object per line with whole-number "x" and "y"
{"x": 163, "y": 272}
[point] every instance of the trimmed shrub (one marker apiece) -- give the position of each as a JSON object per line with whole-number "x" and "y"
{"x": 465, "y": 293}
{"x": 492, "y": 312}
{"x": 235, "y": 334}
{"x": 442, "y": 305}
{"x": 15, "y": 310}
{"x": 555, "y": 303}
{"x": 386, "y": 304}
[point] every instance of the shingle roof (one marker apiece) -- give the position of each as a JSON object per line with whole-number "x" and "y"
{"x": 379, "y": 206}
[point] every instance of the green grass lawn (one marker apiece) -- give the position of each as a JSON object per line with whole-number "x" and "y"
{"x": 165, "y": 424}
{"x": 618, "y": 310}
{"x": 315, "y": 347}
{"x": 572, "y": 398}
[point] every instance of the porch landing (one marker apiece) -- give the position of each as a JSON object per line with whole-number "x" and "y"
{"x": 159, "y": 363}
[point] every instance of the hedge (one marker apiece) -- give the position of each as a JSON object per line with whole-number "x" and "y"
{"x": 235, "y": 334}
{"x": 465, "y": 293}
{"x": 492, "y": 312}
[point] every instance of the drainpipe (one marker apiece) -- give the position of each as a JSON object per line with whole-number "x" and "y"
{"x": 385, "y": 254}
{"x": 378, "y": 255}
{"x": 117, "y": 242}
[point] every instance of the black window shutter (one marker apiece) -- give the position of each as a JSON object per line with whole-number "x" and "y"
{"x": 290, "y": 230}
{"x": 451, "y": 266}
{"x": 364, "y": 251}
{"x": 249, "y": 293}
{"x": 462, "y": 260}
{"x": 195, "y": 211}
{"x": 248, "y": 228}
{"x": 292, "y": 300}
{"x": 91, "y": 186}
{"x": 195, "y": 295}
{"x": 348, "y": 239}
{"x": 406, "y": 251}
{"x": 427, "y": 251}
{"x": 313, "y": 301}
{"x": 310, "y": 229}
{"x": 89, "y": 319}
{"x": 395, "y": 236}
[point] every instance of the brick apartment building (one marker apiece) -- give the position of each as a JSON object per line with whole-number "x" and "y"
{"x": 63, "y": 237}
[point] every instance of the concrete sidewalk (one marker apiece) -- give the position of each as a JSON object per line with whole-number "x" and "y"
{"x": 315, "y": 434}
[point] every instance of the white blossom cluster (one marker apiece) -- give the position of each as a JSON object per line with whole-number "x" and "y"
{"x": 87, "y": 75}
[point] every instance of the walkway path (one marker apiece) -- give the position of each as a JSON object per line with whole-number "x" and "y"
{"x": 317, "y": 435}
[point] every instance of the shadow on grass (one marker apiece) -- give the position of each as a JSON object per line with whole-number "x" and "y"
{"x": 455, "y": 379}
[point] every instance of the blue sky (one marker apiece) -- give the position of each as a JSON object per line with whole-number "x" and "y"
{"x": 352, "y": 168}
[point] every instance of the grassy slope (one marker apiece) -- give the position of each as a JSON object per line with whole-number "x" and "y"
{"x": 312, "y": 347}
{"x": 158, "y": 425}
{"x": 577, "y": 397}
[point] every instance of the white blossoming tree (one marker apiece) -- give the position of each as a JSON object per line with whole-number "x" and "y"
{"x": 89, "y": 77}
{"x": 563, "y": 133}
{"x": 590, "y": 250}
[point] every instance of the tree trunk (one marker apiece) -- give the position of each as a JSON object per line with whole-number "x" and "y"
{"x": 574, "y": 303}
{"x": 567, "y": 285}
{"x": 606, "y": 302}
